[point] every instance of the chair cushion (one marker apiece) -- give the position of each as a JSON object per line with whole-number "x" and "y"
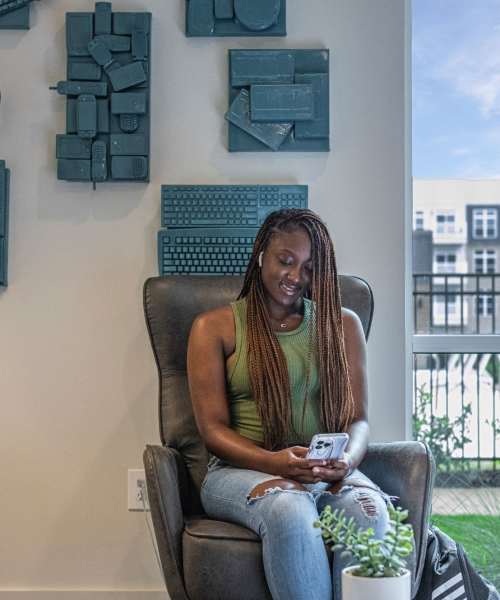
{"x": 222, "y": 560}
{"x": 205, "y": 528}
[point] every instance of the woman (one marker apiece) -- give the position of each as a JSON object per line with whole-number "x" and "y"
{"x": 265, "y": 374}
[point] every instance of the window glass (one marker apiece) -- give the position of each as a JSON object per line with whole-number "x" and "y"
{"x": 445, "y": 262}
{"x": 485, "y": 261}
{"x": 445, "y": 222}
{"x": 484, "y": 223}
{"x": 456, "y": 265}
{"x": 419, "y": 220}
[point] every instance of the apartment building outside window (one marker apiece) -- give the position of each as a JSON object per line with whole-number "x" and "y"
{"x": 485, "y": 261}
{"x": 446, "y": 310}
{"x": 485, "y": 305}
{"x": 484, "y": 223}
{"x": 445, "y": 262}
{"x": 445, "y": 222}
{"x": 418, "y": 220}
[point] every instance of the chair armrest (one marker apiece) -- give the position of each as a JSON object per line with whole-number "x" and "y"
{"x": 165, "y": 471}
{"x": 406, "y": 470}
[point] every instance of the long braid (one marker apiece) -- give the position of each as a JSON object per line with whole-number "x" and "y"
{"x": 266, "y": 362}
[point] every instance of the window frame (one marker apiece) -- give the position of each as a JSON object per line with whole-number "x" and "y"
{"x": 483, "y": 255}
{"x": 446, "y": 254}
{"x": 419, "y": 222}
{"x": 480, "y": 214}
{"x": 485, "y": 305}
{"x": 425, "y": 343}
{"x": 449, "y": 222}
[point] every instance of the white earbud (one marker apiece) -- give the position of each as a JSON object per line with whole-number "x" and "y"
{"x": 260, "y": 259}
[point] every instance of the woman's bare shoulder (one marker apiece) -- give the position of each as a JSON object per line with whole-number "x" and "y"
{"x": 351, "y": 323}
{"x": 218, "y": 321}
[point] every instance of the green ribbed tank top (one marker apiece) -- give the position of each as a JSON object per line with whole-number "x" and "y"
{"x": 245, "y": 417}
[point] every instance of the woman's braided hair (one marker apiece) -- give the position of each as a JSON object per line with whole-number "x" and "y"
{"x": 266, "y": 362}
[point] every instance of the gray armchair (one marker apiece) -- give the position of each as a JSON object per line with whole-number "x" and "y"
{"x": 204, "y": 559}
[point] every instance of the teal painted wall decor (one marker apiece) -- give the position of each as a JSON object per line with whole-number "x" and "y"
{"x": 15, "y": 14}
{"x": 107, "y": 94}
{"x": 4, "y": 221}
{"x": 224, "y": 18}
{"x": 211, "y": 228}
{"x": 279, "y": 101}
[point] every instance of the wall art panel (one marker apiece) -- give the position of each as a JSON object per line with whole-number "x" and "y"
{"x": 279, "y": 101}
{"x": 107, "y": 91}
{"x": 4, "y": 221}
{"x": 215, "y": 18}
{"x": 15, "y": 14}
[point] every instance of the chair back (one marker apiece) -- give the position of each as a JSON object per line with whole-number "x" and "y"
{"x": 171, "y": 305}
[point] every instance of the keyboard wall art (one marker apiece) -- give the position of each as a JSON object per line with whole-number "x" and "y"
{"x": 4, "y": 221}
{"x": 15, "y": 14}
{"x": 235, "y": 18}
{"x": 210, "y": 229}
{"x": 107, "y": 91}
{"x": 279, "y": 101}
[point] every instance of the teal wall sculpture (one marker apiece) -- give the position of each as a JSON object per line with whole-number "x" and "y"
{"x": 222, "y": 18}
{"x": 4, "y": 221}
{"x": 279, "y": 101}
{"x": 211, "y": 228}
{"x": 107, "y": 97}
{"x": 15, "y": 14}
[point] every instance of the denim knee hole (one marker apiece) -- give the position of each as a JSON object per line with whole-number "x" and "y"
{"x": 275, "y": 490}
{"x": 367, "y": 504}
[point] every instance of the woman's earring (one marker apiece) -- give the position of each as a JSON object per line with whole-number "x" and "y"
{"x": 260, "y": 259}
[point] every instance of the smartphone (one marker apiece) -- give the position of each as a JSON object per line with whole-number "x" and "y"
{"x": 327, "y": 446}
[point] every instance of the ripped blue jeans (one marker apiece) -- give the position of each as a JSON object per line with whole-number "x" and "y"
{"x": 295, "y": 558}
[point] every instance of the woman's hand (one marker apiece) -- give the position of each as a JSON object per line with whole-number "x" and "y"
{"x": 291, "y": 463}
{"x": 335, "y": 470}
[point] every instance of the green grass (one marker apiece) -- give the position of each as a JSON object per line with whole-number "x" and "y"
{"x": 479, "y": 535}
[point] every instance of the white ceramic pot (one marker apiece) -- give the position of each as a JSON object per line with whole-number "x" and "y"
{"x": 375, "y": 588}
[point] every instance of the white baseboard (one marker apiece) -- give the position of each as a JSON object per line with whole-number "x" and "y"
{"x": 83, "y": 595}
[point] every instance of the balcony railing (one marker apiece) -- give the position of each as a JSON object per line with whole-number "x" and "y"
{"x": 467, "y": 303}
{"x": 457, "y": 394}
{"x": 454, "y": 236}
{"x": 457, "y": 409}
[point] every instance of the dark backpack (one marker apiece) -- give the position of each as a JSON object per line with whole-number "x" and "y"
{"x": 448, "y": 574}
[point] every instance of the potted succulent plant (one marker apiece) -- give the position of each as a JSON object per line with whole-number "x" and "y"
{"x": 380, "y": 566}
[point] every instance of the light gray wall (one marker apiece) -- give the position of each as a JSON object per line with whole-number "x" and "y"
{"x": 77, "y": 380}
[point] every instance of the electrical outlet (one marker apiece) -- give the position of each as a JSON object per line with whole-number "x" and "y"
{"x": 137, "y": 490}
